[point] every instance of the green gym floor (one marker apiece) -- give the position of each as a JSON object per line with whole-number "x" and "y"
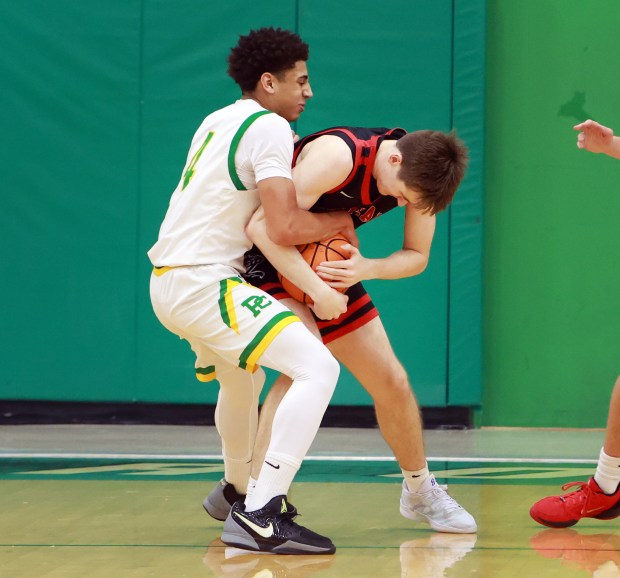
{"x": 126, "y": 501}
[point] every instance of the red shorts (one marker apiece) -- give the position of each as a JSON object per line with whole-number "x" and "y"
{"x": 360, "y": 308}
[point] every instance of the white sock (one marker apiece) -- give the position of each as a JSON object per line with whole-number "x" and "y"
{"x": 607, "y": 474}
{"x": 275, "y": 477}
{"x": 251, "y": 486}
{"x": 415, "y": 478}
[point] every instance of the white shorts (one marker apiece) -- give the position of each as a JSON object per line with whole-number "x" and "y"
{"x": 226, "y": 321}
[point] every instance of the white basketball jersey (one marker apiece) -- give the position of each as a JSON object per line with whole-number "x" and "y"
{"x": 234, "y": 148}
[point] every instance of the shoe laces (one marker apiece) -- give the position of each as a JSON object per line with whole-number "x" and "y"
{"x": 581, "y": 493}
{"x": 290, "y": 514}
{"x": 287, "y": 521}
{"x": 449, "y": 504}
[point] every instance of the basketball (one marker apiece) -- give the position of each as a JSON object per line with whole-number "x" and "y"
{"x": 315, "y": 253}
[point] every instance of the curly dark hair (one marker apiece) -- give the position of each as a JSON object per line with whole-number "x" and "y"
{"x": 434, "y": 163}
{"x": 264, "y": 50}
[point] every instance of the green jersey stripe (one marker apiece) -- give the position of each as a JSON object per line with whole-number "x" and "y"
{"x": 243, "y": 358}
{"x": 234, "y": 145}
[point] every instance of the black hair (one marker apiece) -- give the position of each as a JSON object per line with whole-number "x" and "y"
{"x": 264, "y": 50}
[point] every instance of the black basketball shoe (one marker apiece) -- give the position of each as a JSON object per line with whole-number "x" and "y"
{"x": 219, "y": 502}
{"x": 272, "y": 529}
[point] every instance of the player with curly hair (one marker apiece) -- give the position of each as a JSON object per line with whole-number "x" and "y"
{"x": 240, "y": 158}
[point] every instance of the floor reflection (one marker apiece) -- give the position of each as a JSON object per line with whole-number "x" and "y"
{"x": 428, "y": 557}
{"x": 597, "y": 554}
{"x": 431, "y": 557}
{"x": 236, "y": 563}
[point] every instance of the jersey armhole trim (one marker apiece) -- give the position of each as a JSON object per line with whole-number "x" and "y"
{"x": 234, "y": 145}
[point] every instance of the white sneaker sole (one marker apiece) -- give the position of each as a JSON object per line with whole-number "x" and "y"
{"x": 417, "y": 517}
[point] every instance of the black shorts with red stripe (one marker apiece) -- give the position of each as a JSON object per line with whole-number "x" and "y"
{"x": 360, "y": 308}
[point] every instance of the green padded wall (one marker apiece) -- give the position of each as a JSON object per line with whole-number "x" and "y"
{"x": 552, "y": 258}
{"x": 99, "y": 107}
{"x": 372, "y": 75}
{"x": 70, "y": 165}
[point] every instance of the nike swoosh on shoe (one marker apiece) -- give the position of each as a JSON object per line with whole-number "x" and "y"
{"x": 264, "y": 532}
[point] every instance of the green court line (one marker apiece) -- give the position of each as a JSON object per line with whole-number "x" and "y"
{"x": 474, "y": 472}
{"x": 317, "y": 458}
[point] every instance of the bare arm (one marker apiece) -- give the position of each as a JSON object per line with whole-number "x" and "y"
{"x": 409, "y": 261}
{"x": 596, "y": 138}
{"x": 288, "y": 224}
{"x": 328, "y": 303}
{"x": 322, "y": 166}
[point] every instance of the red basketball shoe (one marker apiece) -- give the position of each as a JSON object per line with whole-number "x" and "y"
{"x": 587, "y": 501}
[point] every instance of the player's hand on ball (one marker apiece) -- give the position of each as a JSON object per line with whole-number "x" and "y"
{"x": 343, "y": 274}
{"x": 330, "y": 304}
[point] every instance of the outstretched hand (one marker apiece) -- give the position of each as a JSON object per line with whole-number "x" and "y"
{"x": 347, "y": 272}
{"x": 594, "y": 137}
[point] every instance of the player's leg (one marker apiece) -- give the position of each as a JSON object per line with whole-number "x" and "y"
{"x": 276, "y": 393}
{"x": 612, "y": 435}
{"x": 600, "y": 496}
{"x": 298, "y": 354}
{"x": 247, "y": 327}
{"x": 607, "y": 474}
{"x": 386, "y": 381}
{"x": 236, "y": 419}
{"x": 260, "y": 273}
{"x": 399, "y": 420}
{"x": 278, "y": 341}
{"x": 221, "y": 498}
{"x": 265, "y": 522}
{"x": 186, "y": 304}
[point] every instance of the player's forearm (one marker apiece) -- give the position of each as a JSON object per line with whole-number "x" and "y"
{"x": 302, "y": 226}
{"x": 287, "y": 224}
{"x": 614, "y": 148}
{"x": 287, "y": 260}
{"x": 403, "y": 263}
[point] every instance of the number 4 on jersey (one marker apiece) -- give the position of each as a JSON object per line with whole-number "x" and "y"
{"x": 191, "y": 169}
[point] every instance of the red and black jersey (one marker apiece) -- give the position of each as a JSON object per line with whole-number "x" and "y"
{"x": 358, "y": 193}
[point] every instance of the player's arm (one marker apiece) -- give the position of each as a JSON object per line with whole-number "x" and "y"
{"x": 267, "y": 147}
{"x": 409, "y": 261}
{"x": 288, "y": 224}
{"x": 596, "y": 138}
{"x": 321, "y": 167}
{"x": 328, "y": 303}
